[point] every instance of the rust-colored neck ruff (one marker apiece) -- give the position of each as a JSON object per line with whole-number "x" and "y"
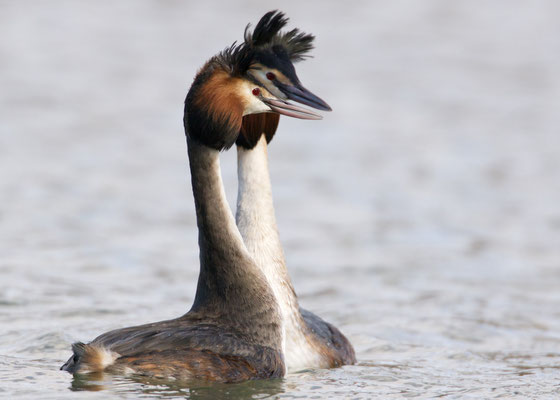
{"x": 255, "y": 125}
{"x": 213, "y": 109}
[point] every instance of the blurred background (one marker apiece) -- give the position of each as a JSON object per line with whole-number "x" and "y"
{"x": 421, "y": 216}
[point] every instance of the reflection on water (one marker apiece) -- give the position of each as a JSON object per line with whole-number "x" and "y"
{"x": 160, "y": 388}
{"x": 420, "y": 216}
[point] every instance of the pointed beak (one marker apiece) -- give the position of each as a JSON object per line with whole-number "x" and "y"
{"x": 300, "y": 94}
{"x": 284, "y": 108}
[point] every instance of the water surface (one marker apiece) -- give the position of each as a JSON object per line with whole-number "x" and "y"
{"x": 421, "y": 216}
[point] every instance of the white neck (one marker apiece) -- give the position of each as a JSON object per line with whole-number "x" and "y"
{"x": 255, "y": 211}
{"x": 257, "y": 223}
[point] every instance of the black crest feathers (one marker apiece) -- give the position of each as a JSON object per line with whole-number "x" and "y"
{"x": 235, "y": 59}
{"x": 267, "y": 34}
{"x": 269, "y": 25}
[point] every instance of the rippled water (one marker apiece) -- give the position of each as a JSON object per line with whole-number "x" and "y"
{"x": 421, "y": 217}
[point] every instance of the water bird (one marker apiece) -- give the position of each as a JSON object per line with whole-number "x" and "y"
{"x": 234, "y": 329}
{"x": 309, "y": 341}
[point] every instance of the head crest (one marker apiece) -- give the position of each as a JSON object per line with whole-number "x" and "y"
{"x": 235, "y": 59}
{"x": 267, "y": 35}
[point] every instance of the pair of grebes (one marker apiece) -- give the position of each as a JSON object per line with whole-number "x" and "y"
{"x": 245, "y": 322}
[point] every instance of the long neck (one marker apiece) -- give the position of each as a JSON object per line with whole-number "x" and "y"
{"x": 230, "y": 286}
{"x": 257, "y": 222}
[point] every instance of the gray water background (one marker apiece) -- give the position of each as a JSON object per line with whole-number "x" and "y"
{"x": 421, "y": 216}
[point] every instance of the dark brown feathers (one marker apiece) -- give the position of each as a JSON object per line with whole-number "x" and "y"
{"x": 195, "y": 364}
{"x": 269, "y": 25}
{"x": 254, "y": 125}
{"x": 267, "y": 35}
{"x": 235, "y": 59}
{"x": 89, "y": 358}
{"x": 213, "y": 112}
{"x": 328, "y": 340}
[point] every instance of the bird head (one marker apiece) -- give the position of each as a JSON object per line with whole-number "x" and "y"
{"x": 274, "y": 54}
{"x": 241, "y": 92}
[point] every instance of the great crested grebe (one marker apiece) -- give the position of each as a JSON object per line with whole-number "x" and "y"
{"x": 310, "y": 342}
{"x": 234, "y": 330}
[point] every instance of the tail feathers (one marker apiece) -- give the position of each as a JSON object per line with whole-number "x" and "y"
{"x": 79, "y": 349}
{"x": 89, "y": 358}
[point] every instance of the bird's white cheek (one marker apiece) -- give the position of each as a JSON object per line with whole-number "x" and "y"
{"x": 255, "y": 106}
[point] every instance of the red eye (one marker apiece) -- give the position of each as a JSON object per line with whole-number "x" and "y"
{"x": 256, "y": 91}
{"x": 270, "y": 76}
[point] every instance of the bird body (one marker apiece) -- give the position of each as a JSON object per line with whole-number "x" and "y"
{"x": 233, "y": 331}
{"x": 237, "y": 326}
